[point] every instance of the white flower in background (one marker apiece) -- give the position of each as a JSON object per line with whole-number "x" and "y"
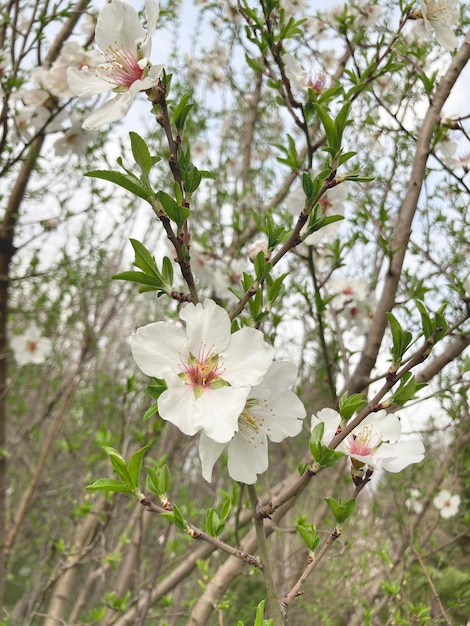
{"x": 298, "y": 77}
{"x": 291, "y": 7}
{"x": 207, "y": 370}
{"x": 260, "y": 245}
{"x": 30, "y": 347}
{"x": 75, "y": 139}
{"x": 375, "y": 442}
{"x": 348, "y": 290}
{"x": 271, "y": 411}
{"x": 440, "y": 15}
{"x": 447, "y": 504}
{"x": 413, "y": 503}
{"x": 353, "y": 301}
{"x": 366, "y": 14}
{"x": 126, "y": 69}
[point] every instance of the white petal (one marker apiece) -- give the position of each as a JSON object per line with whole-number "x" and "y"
{"x": 397, "y": 456}
{"x": 118, "y": 25}
{"x": 207, "y": 324}
{"x": 248, "y": 357}
{"x": 217, "y": 411}
{"x": 209, "y": 452}
{"x": 157, "y": 347}
{"x": 246, "y": 460}
{"x": 286, "y": 415}
{"x": 86, "y": 82}
{"x": 388, "y": 425}
{"x": 331, "y": 419}
{"x": 176, "y": 405}
{"x": 445, "y": 36}
{"x": 113, "y": 110}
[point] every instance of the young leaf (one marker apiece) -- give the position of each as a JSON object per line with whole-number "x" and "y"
{"x": 135, "y": 465}
{"x": 175, "y": 212}
{"x": 126, "y": 181}
{"x": 141, "y": 154}
{"x": 119, "y": 464}
{"x": 109, "y": 484}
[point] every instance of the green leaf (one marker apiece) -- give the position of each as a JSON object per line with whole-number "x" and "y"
{"x": 328, "y": 125}
{"x": 262, "y": 267}
{"x": 401, "y": 338}
{"x": 350, "y": 404}
{"x": 139, "y": 277}
{"x": 180, "y": 113}
{"x": 144, "y": 260}
{"x": 341, "y": 511}
{"x": 226, "y": 508}
{"x": 175, "y": 212}
{"x": 156, "y": 389}
{"x": 150, "y": 412}
{"x": 191, "y": 179}
{"x": 426, "y": 321}
{"x": 178, "y": 518}
{"x": 167, "y": 272}
{"x": 119, "y": 464}
{"x": 307, "y": 185}
{"x": 135, "y": 465}
{"x": 126, "y": 181}
{"x": 109, "y": 484}
{"x": 141, "y": 154}
{"x": 407, "y": 389}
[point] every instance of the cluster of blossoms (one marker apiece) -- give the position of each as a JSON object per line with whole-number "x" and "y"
{"x": 40, "y": 108}
{"x": 376, "y": 442}
{"x": 224, "y": 386}
{"x": 30, "y": 346}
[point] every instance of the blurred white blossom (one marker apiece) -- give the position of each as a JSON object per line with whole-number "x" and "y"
{"x": 447, "y": 504}
{"x": 30, "y": 347}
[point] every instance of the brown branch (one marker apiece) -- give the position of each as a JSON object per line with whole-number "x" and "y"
{"x": 399, "y": 244}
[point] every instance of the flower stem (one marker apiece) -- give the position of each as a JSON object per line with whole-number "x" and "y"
{"x": 271, "y": 593}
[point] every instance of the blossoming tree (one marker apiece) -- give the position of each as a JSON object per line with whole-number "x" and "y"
{"x": 234, "y": 313}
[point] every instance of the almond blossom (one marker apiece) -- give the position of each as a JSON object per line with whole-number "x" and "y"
{"x": 440, "y": 15}
{"x": 272, "y": 411}
{"x": 375, "y": 442}
{"x": 447, "y": 504}
{"x": 125, "y": 45}
{"x": 207, "y": 370}
{"x": 30, "y": 347}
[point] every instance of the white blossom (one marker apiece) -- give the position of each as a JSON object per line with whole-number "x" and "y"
{"x": 272, "y": 411}
{"x": 376, "y": 442}
{"x": 440, "y": 15}
{"x": 125, "y": 69}
{"x": 30, "y": 347}
{"x": 447, "y": 504}
{"x": 207, "y": 370}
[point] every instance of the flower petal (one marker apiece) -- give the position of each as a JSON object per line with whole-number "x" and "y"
{"x": 247, "y": 459}
{"x": 217, "y": 412}
{"x": 118, "y": 26}
{"x": 207, "y": 324}
{"x": 86, "y": 83}
{"x": 157, "y": 347}
{"x": 176, "y": 405}
{"x": 248, "y": 358}
{"x": 209, "y": 452}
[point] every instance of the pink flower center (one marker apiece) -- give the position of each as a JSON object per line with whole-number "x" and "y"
{"x": 123, "y": 68}
{"x": 364, "y": 443}
{"x": 203, "y": 372}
